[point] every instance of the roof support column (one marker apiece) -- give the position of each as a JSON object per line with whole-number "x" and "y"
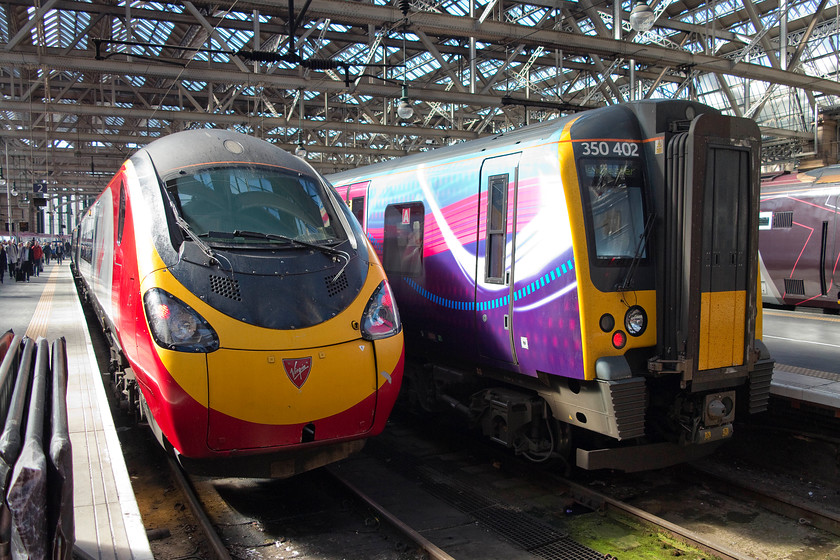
{"x": 783, "y": 38}
{"x": 472, "y": 51}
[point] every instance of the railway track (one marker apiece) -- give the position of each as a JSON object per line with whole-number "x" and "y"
{"x": 712, "y": 515}
{"x": 778, "y": 502}
{"x": 465, "y": 502}
{"x": 210, "y": 535}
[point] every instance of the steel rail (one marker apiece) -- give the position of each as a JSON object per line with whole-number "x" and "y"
{"x": 602, "y": 502}
{"x": 785, "y": 506}
{"x": 214, "y": 540}
{"x": 434, "y": 552}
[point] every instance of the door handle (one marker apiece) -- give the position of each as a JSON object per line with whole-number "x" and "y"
{"x": 823, "y": 246}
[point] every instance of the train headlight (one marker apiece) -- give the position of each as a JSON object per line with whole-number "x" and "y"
{"x": 635, "y": 321}
{"x": 381, "y": 318}
{"x": 177, "y": 326}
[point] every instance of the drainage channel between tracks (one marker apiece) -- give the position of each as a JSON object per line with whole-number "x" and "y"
{"x": 391, "y": 484}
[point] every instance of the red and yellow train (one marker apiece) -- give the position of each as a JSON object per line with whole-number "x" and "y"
{"x": 250, "y": 320}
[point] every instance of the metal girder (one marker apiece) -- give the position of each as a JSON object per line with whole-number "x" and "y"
{"x": 495, "y": 31}
{"x": 221, "y": 118}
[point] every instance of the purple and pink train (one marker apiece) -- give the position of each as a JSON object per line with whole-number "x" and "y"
{"x": 799, "y": 239}
{"x": 583, "y": 289}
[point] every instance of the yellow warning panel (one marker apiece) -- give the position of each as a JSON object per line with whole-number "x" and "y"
{"x": 722, "y": 321}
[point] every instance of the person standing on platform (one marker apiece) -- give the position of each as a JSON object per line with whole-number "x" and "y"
{"x": 3, "y": 261}
{"x": 11, "y": 258}
{"x": 37, "y": 256}
{"x": 24, "y": 261}
{"x": 59, "y": 252}
{"x": 47, "y": 252}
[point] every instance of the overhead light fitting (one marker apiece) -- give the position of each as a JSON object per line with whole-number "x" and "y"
{"x": 300, "y": 151}
{"x": 642, "y": 17}
{"x": 404, "y": 109}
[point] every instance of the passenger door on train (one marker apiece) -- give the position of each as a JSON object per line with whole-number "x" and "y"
{"x": 495, "y": 257}
{"x": 355, "y": 195}
{"x": 125, "y": 268}
{"x": 829, "y": 255}
{"x": 402, "y": 246}
{"x": 833, "y": 251}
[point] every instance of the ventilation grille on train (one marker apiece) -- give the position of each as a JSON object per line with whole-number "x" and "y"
{"x": 794, "y": 287}
{"x": 336, "y": 285}
{"x": 225, "y": 287}
{"x": 782, "y": 220}
{"x": 629, "y": 400}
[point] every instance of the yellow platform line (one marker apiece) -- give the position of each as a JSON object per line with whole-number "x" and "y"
{"x": 802, "y": 315}
{"x": 38, "y": 325}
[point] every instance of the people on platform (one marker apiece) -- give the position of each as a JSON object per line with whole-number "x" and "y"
{"x": 25, "y": 259}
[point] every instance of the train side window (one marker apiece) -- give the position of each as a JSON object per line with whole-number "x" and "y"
{"x": 357, "y": 206}
{"x": 121, "y": 216}
{"x": 402, "y": 248}
{"x": 497, "y": 210}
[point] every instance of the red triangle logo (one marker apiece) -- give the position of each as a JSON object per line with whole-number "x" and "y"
{"x": 298, "y": 370}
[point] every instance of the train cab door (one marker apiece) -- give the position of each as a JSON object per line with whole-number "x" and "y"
{"x": 711, "y": 280}
{"x": 125, "y": 268}
{"x": 495, "y": 258}
{"x": 831, "y": 252}
{"x": 820, "y": 213}
{"x": 355, "y": 196}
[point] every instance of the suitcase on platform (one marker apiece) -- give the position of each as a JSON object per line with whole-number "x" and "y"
{"x": 19, "y": 275}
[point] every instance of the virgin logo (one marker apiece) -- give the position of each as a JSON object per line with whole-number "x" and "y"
{"x": 298, "y": 370}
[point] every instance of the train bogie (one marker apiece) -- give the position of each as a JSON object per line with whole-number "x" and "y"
{"x": 252, "y": 352}
{"x": 591, "y": 278}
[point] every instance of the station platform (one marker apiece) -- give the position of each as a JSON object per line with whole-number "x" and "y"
{"x": 810, "y": 386}
{"x": 107, "y": 520}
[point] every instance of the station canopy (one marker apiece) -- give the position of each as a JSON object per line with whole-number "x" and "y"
{"x": 84, "y": 83}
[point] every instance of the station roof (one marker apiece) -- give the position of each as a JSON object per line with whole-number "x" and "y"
{"x": 84, "y": 83}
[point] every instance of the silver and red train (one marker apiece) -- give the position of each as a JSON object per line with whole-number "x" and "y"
{"x": 249, "y": 318}
{"x": 585, "y": 288}
{"x": 798, "y": 239}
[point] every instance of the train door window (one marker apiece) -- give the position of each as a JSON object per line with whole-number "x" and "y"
{"x": 402, "y": 248}
{"x": 121, "y": 214}
{"x": 357, "y": 206}
{"x": 497, "y": 187}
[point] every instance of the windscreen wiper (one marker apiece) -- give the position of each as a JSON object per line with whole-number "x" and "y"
{"x": 276, "y": 236}
{"x": 185, "y": 227}
{"x": 628, "y": 278}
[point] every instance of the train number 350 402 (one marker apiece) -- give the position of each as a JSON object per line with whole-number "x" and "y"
{"x": 604, "y": 148}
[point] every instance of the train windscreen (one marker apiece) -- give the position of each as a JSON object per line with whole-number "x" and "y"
{"x": 613, "y": 196}
{"x": 217, "y": 202}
